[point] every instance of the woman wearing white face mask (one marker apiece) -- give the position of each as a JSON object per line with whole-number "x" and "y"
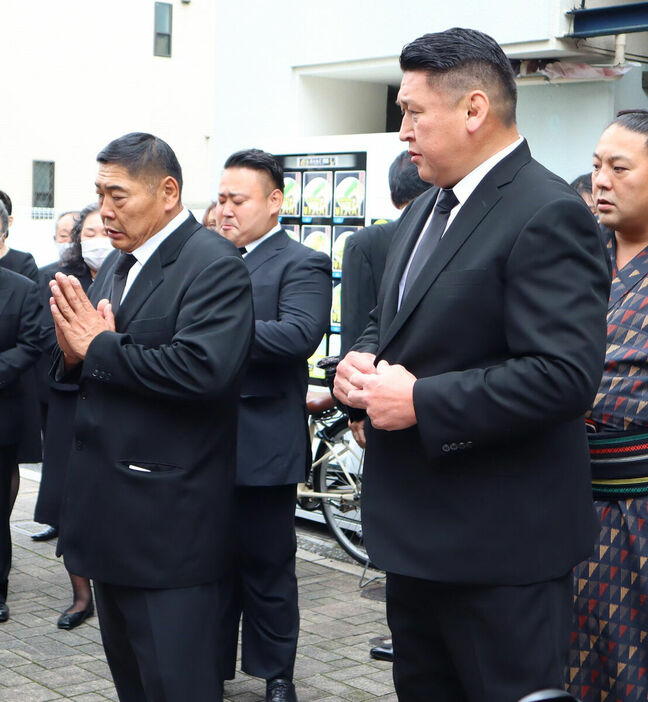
{"x": 95, "y": 245}
{"x": 89, "y": 248}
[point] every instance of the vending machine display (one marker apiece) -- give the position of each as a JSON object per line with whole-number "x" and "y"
{"x": 324, "y": 203}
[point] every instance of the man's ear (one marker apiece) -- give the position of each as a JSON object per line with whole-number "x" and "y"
{"x": 170, "y": 192}
{"x": 477, "y": 107}
{"x": 276, "y": 201}
{"x": 10, "y": 221}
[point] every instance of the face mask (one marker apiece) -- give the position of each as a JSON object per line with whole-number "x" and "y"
{"x": 94, "y": 251}
{"x": 62, "y": 246}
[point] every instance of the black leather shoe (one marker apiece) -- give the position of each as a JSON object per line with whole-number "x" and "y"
{"x": 70, "y": 620}
{"x": 4, "y": 611}
{"x": 49, "y": 533}
{"x": 280, "y": 690}
{"x": 384, "y": 652}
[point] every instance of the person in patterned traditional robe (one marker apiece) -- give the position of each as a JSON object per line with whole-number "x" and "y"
{"x": 609, "y": 653}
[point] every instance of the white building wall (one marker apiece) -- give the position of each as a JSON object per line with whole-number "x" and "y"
{"x": 77, "y": 74}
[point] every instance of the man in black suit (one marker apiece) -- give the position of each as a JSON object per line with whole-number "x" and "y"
{"x": 483, "y": 354}
{"x": 151, "y": 476}
{"x": 19, "y": 349}
{"x": 291, "y": 285}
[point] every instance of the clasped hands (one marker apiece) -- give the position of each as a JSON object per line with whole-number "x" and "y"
{"x": 76, "y": 321}
{"x": 385, "y": 391}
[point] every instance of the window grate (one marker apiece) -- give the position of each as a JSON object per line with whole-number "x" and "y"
{"x": 42, "y": 184}
{"x": 163, "y": 24}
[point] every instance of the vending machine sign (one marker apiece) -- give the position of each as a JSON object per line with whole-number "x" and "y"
{"x": 318, "y": 192}
{"x": 291, "y": 206}
{"x": 340, "y": 236}
{"x": 349, "y": 194}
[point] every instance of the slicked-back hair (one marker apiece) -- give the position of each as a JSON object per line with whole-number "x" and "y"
{"x": 258, "y": 160}
{"x": 460, "y": 60}
{"x": 635, "y": 122}
{"x": 582, "y": 184}
{"x": 6, "y": 201}
{"x": 404, "y": 181}
{"x": 4, "y": 219}
{"x": 72, "y": 258}
{"x": 143, "y": 154}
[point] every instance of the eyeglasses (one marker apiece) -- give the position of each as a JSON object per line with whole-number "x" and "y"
{"x": 631, "y": 112}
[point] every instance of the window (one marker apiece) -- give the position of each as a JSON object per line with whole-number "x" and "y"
{"x": 43, "y": 184}
{"x": 162, "y": 45}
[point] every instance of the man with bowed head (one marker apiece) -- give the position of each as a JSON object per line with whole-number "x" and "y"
{"x": 479, "y": 361}
{"x": 291, "y": 285}
{"x": 157, "y": 352}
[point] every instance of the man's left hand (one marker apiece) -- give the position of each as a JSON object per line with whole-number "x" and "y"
{"x": 388, "y": 396}
{"x": 75, "y": 317}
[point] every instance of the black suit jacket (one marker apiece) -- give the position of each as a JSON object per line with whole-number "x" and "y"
{"x": 505, "y": 331}
{"x": 19, "y": 350}
{"x": 365, "y": 253}
{"x": 160, "y": 394}
{"x": 291, "y": 285}
{"x": 20, "y": 262}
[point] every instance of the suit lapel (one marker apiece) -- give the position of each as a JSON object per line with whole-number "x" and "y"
{"x": 265, "y": 251}
{"x": 407, "y": 240}
{"x": 472, "y": 212}
{"x": 152, "y": 273}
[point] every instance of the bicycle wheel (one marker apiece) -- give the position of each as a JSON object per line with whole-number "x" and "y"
{"x": 339, "y": 475}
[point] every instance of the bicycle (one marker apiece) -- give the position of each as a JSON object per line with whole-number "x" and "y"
{"x": 334, "y": 484}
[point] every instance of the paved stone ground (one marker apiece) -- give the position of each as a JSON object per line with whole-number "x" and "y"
{"x": 39, "y": 662}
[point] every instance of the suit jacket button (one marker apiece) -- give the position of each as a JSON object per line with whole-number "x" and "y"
{"x": 84, "y": 396}
{"x": 453, "y": 446}
{"x": 445, "y": 448}
{"x": 462, "y": 445}
{"x": 469, "y": 444}
{"x": 79, "y": 445}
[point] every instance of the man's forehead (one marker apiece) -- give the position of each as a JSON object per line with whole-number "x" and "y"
{"x": 617, "y": 142}
{"x": 242, "y": 181}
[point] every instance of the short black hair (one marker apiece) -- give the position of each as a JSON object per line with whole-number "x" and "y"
{"x": 258, "y": 160}
{"x": 633, "y": 120}
{"x": 465, "y": 59}
{"x": 143, "y": 154}
{"x": 582, "y": 184}
{"x": 404, "y": 181}
{"x": 6, "y": 201}
{"x": 72, "y": 257}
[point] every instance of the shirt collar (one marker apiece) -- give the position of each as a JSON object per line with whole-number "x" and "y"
{"x": 253, "y": 244}
{"x": 465, "y": 187}
{"x": 145, "y": 251}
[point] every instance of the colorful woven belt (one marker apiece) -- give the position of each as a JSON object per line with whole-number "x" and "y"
{"x": 623, "y": 455}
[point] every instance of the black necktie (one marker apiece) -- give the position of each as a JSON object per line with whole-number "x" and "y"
{"x": 242, "y": 250}
{"x": 431, "y": 237}
{"x": 124, "y": 264}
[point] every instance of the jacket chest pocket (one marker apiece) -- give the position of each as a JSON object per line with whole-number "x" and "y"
{"x": 152, "y": 331}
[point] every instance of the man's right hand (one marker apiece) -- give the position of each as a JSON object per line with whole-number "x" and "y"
{"x": 353, "y": 362}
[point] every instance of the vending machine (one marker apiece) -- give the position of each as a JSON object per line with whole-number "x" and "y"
{"x": 324, "y": 203}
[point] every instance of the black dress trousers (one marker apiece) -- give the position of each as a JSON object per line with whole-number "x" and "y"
{"x": 457, "y": 642}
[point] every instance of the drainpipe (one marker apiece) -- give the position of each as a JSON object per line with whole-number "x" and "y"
{"x": 619, "y": 49}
